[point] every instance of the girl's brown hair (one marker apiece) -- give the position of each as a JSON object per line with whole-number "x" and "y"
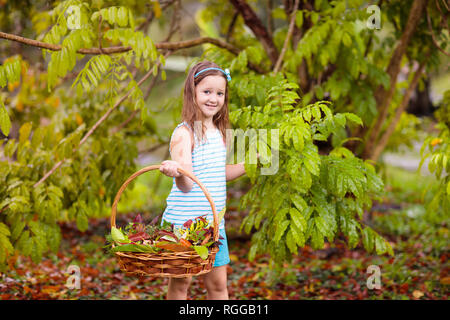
{"x": 191, "y": 112}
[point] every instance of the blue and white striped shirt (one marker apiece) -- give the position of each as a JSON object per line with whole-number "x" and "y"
{"x": 208, "y": 163}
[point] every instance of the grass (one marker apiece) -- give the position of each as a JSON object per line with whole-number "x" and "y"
{"x": 408, "y": 186}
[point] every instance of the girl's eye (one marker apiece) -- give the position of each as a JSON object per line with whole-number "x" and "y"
{"x": 206, "y": 91}
{"x": 220, "y": 93}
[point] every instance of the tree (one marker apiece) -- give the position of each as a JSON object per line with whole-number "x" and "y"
{"x": 314, "y": 71}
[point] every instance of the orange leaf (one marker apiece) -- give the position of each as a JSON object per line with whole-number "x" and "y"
{"x": 445, "y": 280}
{"x": 19, "y": 105}
{"x": 50, "y": 289}
{"x": 185, "y": 243}
{"x": 78, "y": 119}
{"x": 208, "y": 236}
{"x": 172, "y": 246}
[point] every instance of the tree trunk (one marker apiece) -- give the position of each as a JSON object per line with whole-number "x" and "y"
{"x": 379, "y": 147}
{"x": 383, "y": 97}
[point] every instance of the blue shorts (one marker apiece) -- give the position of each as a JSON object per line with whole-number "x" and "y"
{"x": 222, "y": 256}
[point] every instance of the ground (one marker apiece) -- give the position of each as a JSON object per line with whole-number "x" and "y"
{"x": 419, "y": 269}
{"x": 335, "y": 272}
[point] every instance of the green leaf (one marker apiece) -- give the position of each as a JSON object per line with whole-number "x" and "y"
{"x": 290, "y": 242}
{"x": 82, "y": 221}
{"x": 299, "y": 18}
{"x": 353, "y": 118}
{"x": 254, "y": 54}
{"x": 222, "y": 214}
{"x": 298, "y": 201}
{"x": 340, "y": 119}
{"x": 133, "y": 247}
{"x": 117, "y": 235}
{"x": 316, "y": 112}
{"x": 348, "y": 226}
{"x": 17, "y": 230}
{"x": 307, "y": 114}
{"x": 5, "y": 122}
{"x": 298, "y": 236}
{"x": 4, "y": 229}
{"x": 112, "y": 14}
{"x": 280, "y": 229}
{"x": 122, "y": 17}
{"x": 346, "y": 39}
{"x": 202, "y": 251}
{"x": 6, "y": 245}
{"x": 298, "y": 219}
{"x": 368, "y": 239}
{"x": 92, "y": 77}
{"x": 317, "y": 239}
{"x": 297, "y": 138}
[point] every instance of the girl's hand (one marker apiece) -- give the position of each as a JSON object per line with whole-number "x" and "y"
{"x": 170, "y": 168}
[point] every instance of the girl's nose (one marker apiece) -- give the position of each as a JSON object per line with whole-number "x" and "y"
{"x": 213, "y": 100}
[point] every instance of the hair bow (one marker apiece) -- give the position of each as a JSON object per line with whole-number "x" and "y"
{"x": 227, "y": 73}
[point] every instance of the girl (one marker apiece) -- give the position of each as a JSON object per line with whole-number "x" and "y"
{"x": 198, "y": 145}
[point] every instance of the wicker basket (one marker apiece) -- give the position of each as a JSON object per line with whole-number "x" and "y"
{"x": 166, "y": 264}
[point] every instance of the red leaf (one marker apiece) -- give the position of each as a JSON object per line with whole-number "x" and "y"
{"x": 138, "y": 236}
{"x": 167, "y": 233}
{"x": 188, "y": 223}
{"x": 138, "y": 219}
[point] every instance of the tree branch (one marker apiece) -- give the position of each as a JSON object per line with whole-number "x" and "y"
{"x": 120, "y": 49}
{"x": 255, "y": 24}
{"x": 151, "y": 15}
{"x": 231, "y": 26}
{"x": 135, "y": 112}
{"x": 433, "y": 38}
{"x": 287, "y": 39}
{"x": 381, "y": 144}
{"x": 383, "y": 97}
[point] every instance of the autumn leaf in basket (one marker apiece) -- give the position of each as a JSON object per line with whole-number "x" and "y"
{"x": 172, "y": 246}
{"x": 118, "y": 236}
{"x": 195, "y": 235}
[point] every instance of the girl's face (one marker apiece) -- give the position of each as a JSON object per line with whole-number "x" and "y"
{"x": 210, "y": 95}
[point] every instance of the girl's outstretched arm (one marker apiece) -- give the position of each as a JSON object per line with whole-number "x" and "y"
{"x": 234, "y": 171}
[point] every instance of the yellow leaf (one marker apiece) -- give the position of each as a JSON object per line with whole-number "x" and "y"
{"x": 234, "y": 257}
{"x": 78, "y": 119}
{"x": 55, "y": 102}
{"x": 156, "y": 9}
{"x": 132, "y": 296}
{"x": 13, "y": 86}
{"x": 19, "y": 105}
{"x": 436, "y": 141}
{"x": 417, "y": 294}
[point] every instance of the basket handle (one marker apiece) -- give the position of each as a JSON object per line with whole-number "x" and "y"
{"x": 182, "y": 171}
